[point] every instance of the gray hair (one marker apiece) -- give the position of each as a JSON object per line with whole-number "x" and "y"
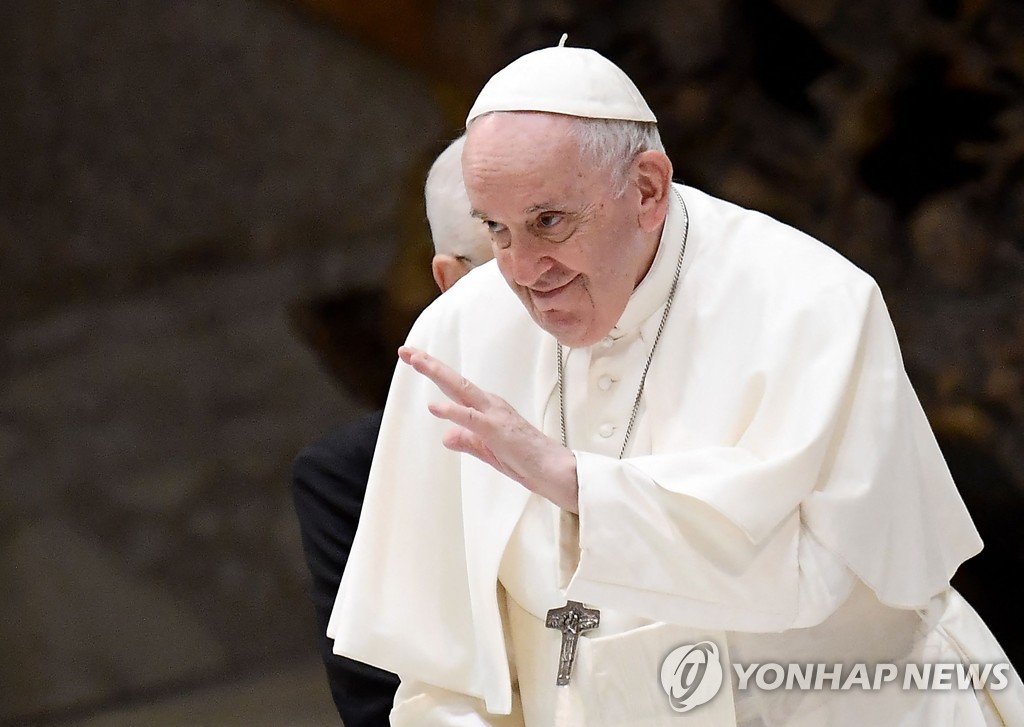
{"x": 613, "y": 144}
{"x": 452, "y": 226}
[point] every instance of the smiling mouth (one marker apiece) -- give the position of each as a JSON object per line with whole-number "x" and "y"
{"x": 551, "y": 292}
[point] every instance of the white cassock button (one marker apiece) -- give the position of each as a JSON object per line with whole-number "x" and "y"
{"x": 607, "y": 342}
{"x": 604, "y": 383}
{"x": 606, "y": 430}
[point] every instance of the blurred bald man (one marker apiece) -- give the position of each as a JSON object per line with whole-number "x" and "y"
{"x": 329, "y": 476}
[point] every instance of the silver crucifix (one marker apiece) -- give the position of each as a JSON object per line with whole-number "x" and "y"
{"x": 572, "y": 619}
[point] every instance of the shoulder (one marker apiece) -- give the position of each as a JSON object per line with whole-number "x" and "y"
{"x": 479, "y": 309}
{"x": 481, "y": 293}
{"x": 349, "y": 446}
{"x": 743, "y": 253}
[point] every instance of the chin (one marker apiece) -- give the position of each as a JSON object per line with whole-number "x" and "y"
{"x": 569, "y": 332}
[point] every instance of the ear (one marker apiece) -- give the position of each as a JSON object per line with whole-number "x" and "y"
{"x": 447, "y": 270}
{"x": 652, "y": 172}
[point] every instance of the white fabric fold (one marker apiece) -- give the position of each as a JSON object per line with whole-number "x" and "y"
{"x": 777, "y": 408}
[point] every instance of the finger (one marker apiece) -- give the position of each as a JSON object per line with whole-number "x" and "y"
{"x": 451, "y": 383}
{"x": 466, "y": 417}
{"x": 462, "y": 440}
{"x": 406, "y": 352}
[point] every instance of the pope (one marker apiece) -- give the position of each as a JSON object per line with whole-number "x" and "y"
{"x": 655, "y": 420}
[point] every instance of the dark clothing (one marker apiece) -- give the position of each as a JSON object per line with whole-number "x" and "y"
{"x": 329, "y": 482}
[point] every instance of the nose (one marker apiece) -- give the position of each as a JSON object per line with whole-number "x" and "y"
{"x": 527, "y": 260}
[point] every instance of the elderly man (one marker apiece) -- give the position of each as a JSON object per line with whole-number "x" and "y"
{"x": 329, "y": 476}
{"x": 678, "y": 443}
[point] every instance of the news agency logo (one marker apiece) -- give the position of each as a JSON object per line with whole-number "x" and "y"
{"x": 872, "y": 677}
{"x": 691, "y": 675}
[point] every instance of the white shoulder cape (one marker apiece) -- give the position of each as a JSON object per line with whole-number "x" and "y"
{"x": 778, "y": 391}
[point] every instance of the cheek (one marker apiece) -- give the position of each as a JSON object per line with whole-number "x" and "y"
{"x": 504, "y": 262}
{"x": 613, "y": 276}
{"x": 609, "y": 260}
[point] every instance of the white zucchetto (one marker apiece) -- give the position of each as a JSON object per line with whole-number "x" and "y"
{"x": 560, "y": 80}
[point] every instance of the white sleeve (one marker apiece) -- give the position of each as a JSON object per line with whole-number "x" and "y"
{"x": 418, "y": 704}
{"x": 835, "y": 471}
{"x": 716, "y": 576}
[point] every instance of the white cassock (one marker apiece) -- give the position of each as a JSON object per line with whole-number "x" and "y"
{"x": 783, "y": 497}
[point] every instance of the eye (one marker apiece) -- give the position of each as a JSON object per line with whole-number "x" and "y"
{"x": 494, "y": 227}
{"x": 549, "y": 219}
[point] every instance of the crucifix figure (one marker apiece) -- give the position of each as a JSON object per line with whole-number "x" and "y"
{"x": 572, "y": 619}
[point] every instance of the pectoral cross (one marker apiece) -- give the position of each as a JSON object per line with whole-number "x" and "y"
{"x": 572, "y": 619}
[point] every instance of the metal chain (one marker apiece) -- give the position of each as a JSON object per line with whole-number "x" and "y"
{"x": 654, "y": 346}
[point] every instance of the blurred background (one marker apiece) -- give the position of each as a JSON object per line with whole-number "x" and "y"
{"x": 212, "y": 238}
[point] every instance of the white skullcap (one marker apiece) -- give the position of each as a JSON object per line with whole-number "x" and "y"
{"x": 560, "y": 80}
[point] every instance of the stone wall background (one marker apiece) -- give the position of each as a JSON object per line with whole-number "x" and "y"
{"x": 174, "y": 174}
{"x": 210, "y": 239}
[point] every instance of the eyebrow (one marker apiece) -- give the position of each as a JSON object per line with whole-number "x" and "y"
{"x": 543, "y": 207}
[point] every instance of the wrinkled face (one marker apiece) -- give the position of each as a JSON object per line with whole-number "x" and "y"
{"x": 569, "y": 248}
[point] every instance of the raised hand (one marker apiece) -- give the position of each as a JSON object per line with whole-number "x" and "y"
{"x": 487, "y": 427}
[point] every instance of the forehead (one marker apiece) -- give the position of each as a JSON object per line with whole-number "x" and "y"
{"x": 524, "y": 160}
{"x": 514, "y": 132}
